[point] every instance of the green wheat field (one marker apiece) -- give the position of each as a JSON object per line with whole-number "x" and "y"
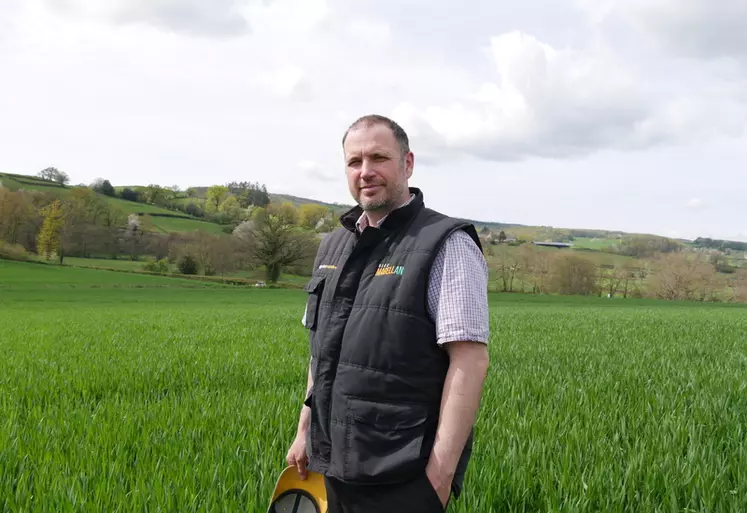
{"x": 123, "y": 392}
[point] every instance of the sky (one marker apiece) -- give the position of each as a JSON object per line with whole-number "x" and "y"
{"x": 609, "y": 114}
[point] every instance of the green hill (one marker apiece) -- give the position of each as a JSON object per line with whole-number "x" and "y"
{"x": 297, "y": 201}
{"x": 163, "y": 220}
{"x": 168, "y": 220}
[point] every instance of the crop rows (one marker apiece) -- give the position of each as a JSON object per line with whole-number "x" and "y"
{"x": 186, "y": 400}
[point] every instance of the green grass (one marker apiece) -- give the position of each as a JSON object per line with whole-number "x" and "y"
{"x": 105, "y": 263}
{"x": 137, "y": 265}
{"x": 31, "y": 183}
{"x": 170, "y": 224}
{"x": 184, "y": 223}
{"x": 598, "y": 244}
{"x": 121, "y": 392}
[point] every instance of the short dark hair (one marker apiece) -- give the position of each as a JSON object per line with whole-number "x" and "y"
{"x": 371, "y": 119}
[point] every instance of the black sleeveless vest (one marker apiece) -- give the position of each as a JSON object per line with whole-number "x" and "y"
{"x": 377, "y": 370}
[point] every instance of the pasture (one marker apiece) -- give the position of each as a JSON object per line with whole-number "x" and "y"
{"x": 124, "y": 392}
{"x": 182, "y": 223}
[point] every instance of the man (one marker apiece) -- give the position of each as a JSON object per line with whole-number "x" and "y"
{"x": 398, "y": 321}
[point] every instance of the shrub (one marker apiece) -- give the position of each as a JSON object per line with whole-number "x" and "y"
{"x": 187, "y": 264}
{"x": 157, "y": 266}
{"x": 10, "y": 251}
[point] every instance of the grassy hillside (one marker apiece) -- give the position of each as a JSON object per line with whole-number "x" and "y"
{"x": 201, "y": 193}
{"x": 297, "y": 201}
{"x": 182, "y": 223}
{"x": 589, "y": 239}
{"x": 30, "y": 183}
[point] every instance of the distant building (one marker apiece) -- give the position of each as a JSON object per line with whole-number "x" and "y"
{"x": 554, "y": 244}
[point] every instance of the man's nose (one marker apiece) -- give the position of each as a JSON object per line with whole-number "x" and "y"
{"x": 367, "y": 169}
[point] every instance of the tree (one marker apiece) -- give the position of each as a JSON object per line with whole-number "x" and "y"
{"x": 273, "y": 239}
{"x": 104, "y": 187}
{"x": 155, "y": 195}
{"x": 55, "y": 175}
{"x": 16, "y": 215}
{"x": 612, "y": 277}
{"x": 679, "y": 276}
{"x": 129, "y": 194}
{"x": 214, "y": 254}
{"x": 231, "y": 209}
{"x": 535, "y": 265}
{"x": 721, "y": 263}
{"x": 739, "y": 285}
{"x": 249, "y": 194}
{"x": 507, "y": 266}
{"x": 574, "y": 275}
{"x": 645, "y": 246}
{"x": 49, "y": 241}
{"x": 215, "y": 196}
{"x": 327, "y": 224}
{"x": 194, "y": 210}
{"x": 187, "y": 264}
{"x": 87, "y": 215}
{"x": 135, "y": 234}
{"x": 628, "y": 272}
{"x": 502, "y": 236}
{"x": 309, "y": 215}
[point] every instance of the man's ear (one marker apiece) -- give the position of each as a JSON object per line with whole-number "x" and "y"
{"x": 409, "y": 163}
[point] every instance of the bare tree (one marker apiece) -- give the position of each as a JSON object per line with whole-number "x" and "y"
{"x": 507, "y": 266}
{"x": 613, "y": 277}
{"x": 16, "y": 215}
{"x": 539, "y": 268}
{"x": 574, "y": 275}
{"x": 273, "y": 239}
{"x": 739, "y": 285}
{"x": 680, "y": 276}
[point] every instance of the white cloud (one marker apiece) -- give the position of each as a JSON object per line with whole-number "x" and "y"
{"x": 286, "y": 18}
{"x": 696, "y": 204}
{"x": 372, "y": 32}
{"x": 316, "y": 171}
{"x": 691, "y": 28}
{"x": 562, "y": 103}
{"x": 289, "y": 81}
{"x": 128, "y": 86}
{"x": 196, "y": 17}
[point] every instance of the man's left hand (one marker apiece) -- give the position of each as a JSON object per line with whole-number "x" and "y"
{"x": 440, "y": 482}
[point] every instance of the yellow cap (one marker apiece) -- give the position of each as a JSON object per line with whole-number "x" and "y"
{"x": 294, "y": 495}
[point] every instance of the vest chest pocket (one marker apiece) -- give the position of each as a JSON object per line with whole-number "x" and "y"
{"x": 314, "y": 287}
{"x": 383, "y": 441}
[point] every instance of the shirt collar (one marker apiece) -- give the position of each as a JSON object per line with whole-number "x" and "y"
{"x": 362, "y": 222}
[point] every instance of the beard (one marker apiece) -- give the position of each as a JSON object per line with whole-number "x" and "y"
{"x": 387, "y": 201}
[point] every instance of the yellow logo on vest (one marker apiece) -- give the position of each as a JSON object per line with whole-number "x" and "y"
{"x": 389, "y": 269}
{"x": 327, "y": 266}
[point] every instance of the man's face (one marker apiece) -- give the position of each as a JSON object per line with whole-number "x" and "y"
{"x": 376, "y": 169}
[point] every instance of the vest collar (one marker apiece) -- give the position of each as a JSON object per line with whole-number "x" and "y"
{"x": 394, "y": 219}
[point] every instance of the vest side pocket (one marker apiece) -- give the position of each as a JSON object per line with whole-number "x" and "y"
{"x": 383, "y": 440}
{"x": 314, "y": 287}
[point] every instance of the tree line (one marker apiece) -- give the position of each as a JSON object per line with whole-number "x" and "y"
{"x": 82, "y": 223}
{"x": 674, "y": 275}
{"x": 722, "y": 245}
{"x": 282, "y": 238}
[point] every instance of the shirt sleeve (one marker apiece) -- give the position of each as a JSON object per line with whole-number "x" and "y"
{"x": 458, "y": 291}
